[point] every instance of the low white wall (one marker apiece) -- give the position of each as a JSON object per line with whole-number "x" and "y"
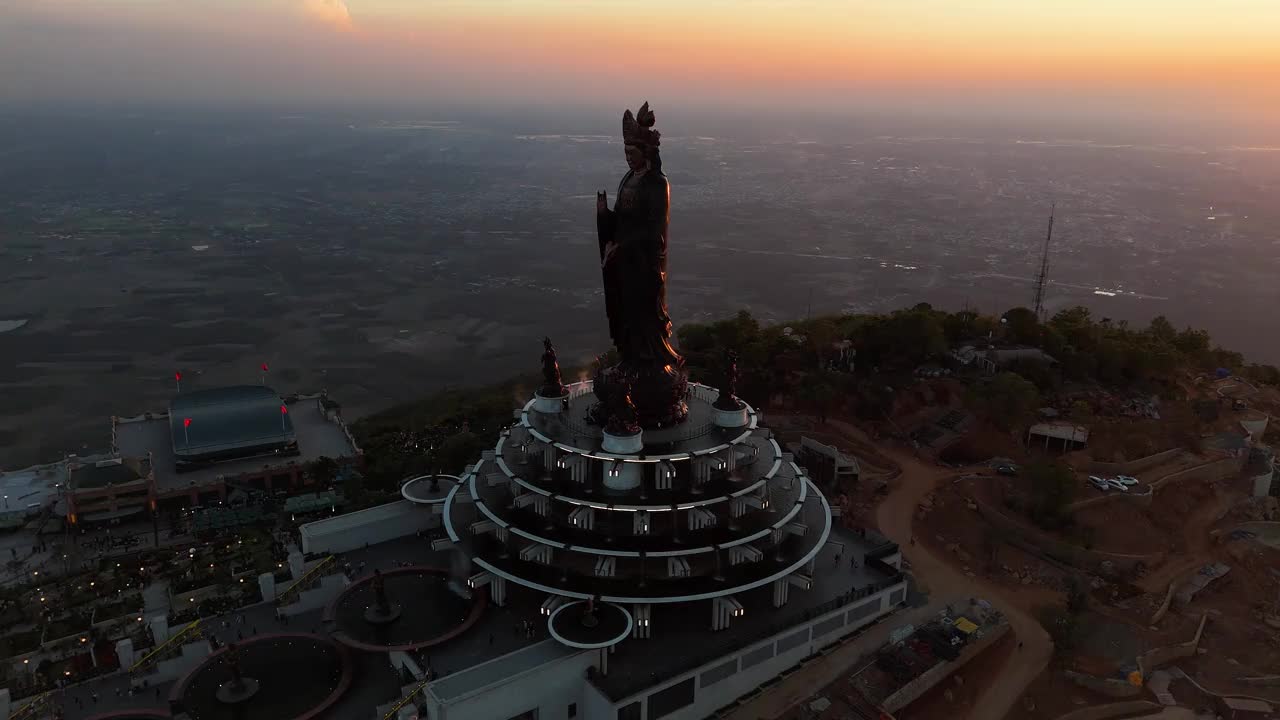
{"x": 366, "y": 527}
{"x": 550, "y": 688}
{"x": 707, "y": 700}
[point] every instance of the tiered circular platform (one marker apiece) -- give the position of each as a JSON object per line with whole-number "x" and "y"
{"x": 701, "y": 510}
{"x": 446, "y": 613}
{"x": 299, "y": 676}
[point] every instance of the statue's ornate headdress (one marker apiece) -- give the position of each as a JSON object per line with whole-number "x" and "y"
{"x": 638, "y": 129}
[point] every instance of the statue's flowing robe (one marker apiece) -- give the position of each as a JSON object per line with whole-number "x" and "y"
{"x": 635, "y": 276}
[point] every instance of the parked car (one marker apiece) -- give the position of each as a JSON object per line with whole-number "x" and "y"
{"x": 1127, "y": 480}
{"x": 1010, "y": 470}
{"x": 1116, "y": 484}
{"x": 1099, "y": 483}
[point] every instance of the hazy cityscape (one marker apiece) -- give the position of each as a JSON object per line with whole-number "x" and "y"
{"x": 377, "y": 257}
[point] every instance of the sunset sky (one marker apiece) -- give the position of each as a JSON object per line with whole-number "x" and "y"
{"x": 1188, "y": 56}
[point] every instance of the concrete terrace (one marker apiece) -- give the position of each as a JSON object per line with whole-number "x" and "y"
{"x": 317, "y": 437}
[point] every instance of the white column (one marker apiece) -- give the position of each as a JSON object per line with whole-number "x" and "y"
{"x": 267, "y": 584}
{"x": 781, "y": 589}
{"x": 622, "y": 476}
{"x": 297, "y": 565}
{"x": 159, "y": 628}
{"x": 124, "y": 652}
{"x": 498, "y": 590}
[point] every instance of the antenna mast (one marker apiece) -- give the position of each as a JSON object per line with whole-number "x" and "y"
{"x": 1043, "y": 279}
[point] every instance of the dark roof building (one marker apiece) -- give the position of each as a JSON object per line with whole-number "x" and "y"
{"x": 108, "y": 489}
{"x": 246, "y": 434}
{"x": 229, "y": 423}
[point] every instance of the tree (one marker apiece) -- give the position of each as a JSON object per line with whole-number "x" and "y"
{"x": 324, "y": 469}
{"x": 1192, "y": 343}
{"x": 1007, "y": 400}
{"x": 353, "y": 488}
{"x": 1077, "y": 327}
{"x": 901, "y": 341}
{"x": 1063, "y": 627}
{"x": 1022, "y": 326}
{"x": 1052, "y": 488}
{"x": 1161, "y": 329}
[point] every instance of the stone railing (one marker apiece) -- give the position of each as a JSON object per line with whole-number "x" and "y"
{"x": 1132, "y": 467}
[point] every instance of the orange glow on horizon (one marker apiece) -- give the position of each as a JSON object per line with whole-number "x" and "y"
{"x": 834, "y": 49}
{"x": 760, "y": 51}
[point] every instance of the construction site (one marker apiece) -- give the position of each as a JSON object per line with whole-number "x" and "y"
{"x": 1165, "y": 596}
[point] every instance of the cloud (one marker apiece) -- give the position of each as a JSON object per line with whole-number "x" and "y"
{"x": 333, "y": 13}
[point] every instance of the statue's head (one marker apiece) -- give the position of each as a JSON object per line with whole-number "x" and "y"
{"x": 641, "y": 139}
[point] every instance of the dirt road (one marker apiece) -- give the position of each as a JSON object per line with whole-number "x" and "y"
{"x": 894, "y": 517}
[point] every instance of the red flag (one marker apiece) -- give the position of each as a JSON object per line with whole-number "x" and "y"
{"x": 264, "y": 367}
{"x": 186, "y": 422}
{"x": 284, "y": 410}
{"x": 177, "y": 376}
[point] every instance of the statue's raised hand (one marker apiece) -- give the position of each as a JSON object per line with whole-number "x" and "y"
{"x": 602, "y": 202}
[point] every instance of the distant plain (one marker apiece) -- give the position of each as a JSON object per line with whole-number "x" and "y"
{"x": 383, "y": 258}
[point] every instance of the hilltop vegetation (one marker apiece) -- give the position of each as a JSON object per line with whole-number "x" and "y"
{"x": 794, "y": 359}
{"x": 798, "y": 361}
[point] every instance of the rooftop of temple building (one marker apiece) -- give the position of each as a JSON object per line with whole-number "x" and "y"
{"x": 316, "y": 435}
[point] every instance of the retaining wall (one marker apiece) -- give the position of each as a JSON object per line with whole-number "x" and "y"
{"x": 1209, "y": 472}
{"x": 1168, "y": 599}
{"x": 1154, "y": 658}
{"x": 1111, "y": 710}
{"x": 1132, "y": 467}
{"x": 1062, "y": 550}
{"x": 911, "y": 691}
{"x": 1143, "y": 499}
{"x": 1111, "y": 687}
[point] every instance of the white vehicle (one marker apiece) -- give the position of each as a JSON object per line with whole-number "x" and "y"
{"x": 1099, "y": 483}
{"x": 1127, "y": 480}
{"x": 1118, "y": 485}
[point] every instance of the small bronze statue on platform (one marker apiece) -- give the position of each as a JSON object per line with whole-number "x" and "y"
{"x": 384, "y": 612}
{"x": 239, "y": 689}
{"x": 233, "y": 665}
{"x": 552, "y": 384}
{"x": 633, "y": 262}
{"x": 622, "y": 411}
{"x": 728, "y": 399}
{"x": 380, "y": 593}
